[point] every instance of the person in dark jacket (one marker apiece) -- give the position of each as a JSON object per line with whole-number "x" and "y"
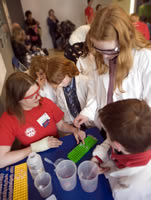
{"x": 52, "y": 23}
{"x": 33, "y": 29}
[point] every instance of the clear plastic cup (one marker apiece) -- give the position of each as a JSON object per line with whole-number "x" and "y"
{"x": 52, "y": 197}
{"x": 88, "y": 175}
{"x": 66, "y": 174}
{"x": 43, "y": 184}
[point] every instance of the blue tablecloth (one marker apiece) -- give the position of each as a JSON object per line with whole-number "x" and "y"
{"x": 103, "y": 191}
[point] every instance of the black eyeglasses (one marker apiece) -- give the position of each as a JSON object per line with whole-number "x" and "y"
{"x": 114, "y": 51}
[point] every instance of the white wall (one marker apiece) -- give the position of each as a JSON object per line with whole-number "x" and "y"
{"x": 64, "y": 9}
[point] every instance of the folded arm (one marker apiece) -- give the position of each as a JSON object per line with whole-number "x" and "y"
{"x": 8, "y": 157}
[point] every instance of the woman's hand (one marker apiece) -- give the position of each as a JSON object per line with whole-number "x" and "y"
{"x": 45, "y": 144}
{"x": 80, "y": 119}
{"x": 79, "y": 135}
{"x": 54, "y": 142}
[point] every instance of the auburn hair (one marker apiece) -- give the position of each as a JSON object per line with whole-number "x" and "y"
{"x": 37, "y": 63}
{"x": 113, "y": 23}
{"x": 129, "y": 123}
{"x": 58, "y": 67}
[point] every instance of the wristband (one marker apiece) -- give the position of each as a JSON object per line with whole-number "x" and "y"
{"x": 41, "y": 145}
{"x": 99, "y": 159}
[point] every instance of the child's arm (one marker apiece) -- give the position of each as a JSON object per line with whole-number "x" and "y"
{"x": 90, "y": 104}
{"x": 101, "y": 151}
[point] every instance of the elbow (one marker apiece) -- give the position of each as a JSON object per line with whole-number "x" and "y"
{"x": 60, "y": 125}
{"x": 2, "y": 163}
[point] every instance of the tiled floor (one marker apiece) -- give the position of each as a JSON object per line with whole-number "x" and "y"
{"x": 53, "y": 52}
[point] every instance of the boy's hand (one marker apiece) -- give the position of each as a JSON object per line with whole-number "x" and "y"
{"x": 102, "y": 170}
{"x": 95, "y": 160}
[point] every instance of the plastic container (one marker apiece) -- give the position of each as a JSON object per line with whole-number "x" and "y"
{"x": 52, "y": 197}
{"x": 88, "y": 175}
{"x": 35, "y": 164}
{"x": 66, "y": 173}
{"x": 43, "y": 184}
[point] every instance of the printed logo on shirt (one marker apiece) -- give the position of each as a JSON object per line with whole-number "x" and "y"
{"x": 30, "y": 132}
{"x": 44, "y": 120}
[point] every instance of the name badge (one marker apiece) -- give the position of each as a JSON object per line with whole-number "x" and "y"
{"x": 44, "y": 120}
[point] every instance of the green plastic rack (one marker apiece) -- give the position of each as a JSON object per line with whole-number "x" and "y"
{"x": 81, "y": 149}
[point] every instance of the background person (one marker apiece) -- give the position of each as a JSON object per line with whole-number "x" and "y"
{"x": 31, "y": 119}
{"x": 33, "y": 29}
{"x": 18, "y": 45}
{"x": 140, "y": 26}
{"x": 53, "y": 24}
{"x": 144, "y": 19}
{"x": 22, "y": 47}
{"x": 89, "y": 12}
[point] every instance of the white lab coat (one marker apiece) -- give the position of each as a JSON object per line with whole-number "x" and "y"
{"x": 48, "y": 92}
{"x": 86, "y": 96}
{"x": 86, "y": 66}
{"x": 130, "y": 183}
{"x": 136, "y": 85}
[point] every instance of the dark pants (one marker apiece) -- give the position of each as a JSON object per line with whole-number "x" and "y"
{"x": 54, "y": 37}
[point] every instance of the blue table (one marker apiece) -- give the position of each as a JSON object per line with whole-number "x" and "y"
{"x": 103, "y": 191}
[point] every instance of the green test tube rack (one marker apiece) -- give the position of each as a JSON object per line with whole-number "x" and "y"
{"x": 81, "y": 149}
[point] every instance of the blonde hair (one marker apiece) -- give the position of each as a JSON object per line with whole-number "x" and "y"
{"x": 18, "y": 35}
{"x": 112, "y": 23}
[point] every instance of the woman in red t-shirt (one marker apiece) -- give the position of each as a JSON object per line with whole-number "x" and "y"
{"x": 31, "y": 119}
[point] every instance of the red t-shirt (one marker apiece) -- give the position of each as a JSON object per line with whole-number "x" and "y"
{"x": 143, "y": 28}
{"x": 47, "y": 114}
{"x": 89, "y": 13}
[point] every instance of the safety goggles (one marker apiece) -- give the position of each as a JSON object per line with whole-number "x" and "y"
{"x": 111, "y": 52}
{"x": 34, "y": 95}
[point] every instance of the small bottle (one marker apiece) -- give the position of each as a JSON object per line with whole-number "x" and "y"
{"x": 35, "y": 164}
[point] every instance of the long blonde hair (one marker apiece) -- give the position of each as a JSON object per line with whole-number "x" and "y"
{"x": 113, "y": 23}
{"x": 18, "y": 35}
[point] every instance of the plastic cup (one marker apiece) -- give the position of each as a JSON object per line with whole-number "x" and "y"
{"x": 43, "y": 184}
{"x": 52, "y": 197}
{"x": 88, "y": 175}
{"x": 66, "y": 174}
